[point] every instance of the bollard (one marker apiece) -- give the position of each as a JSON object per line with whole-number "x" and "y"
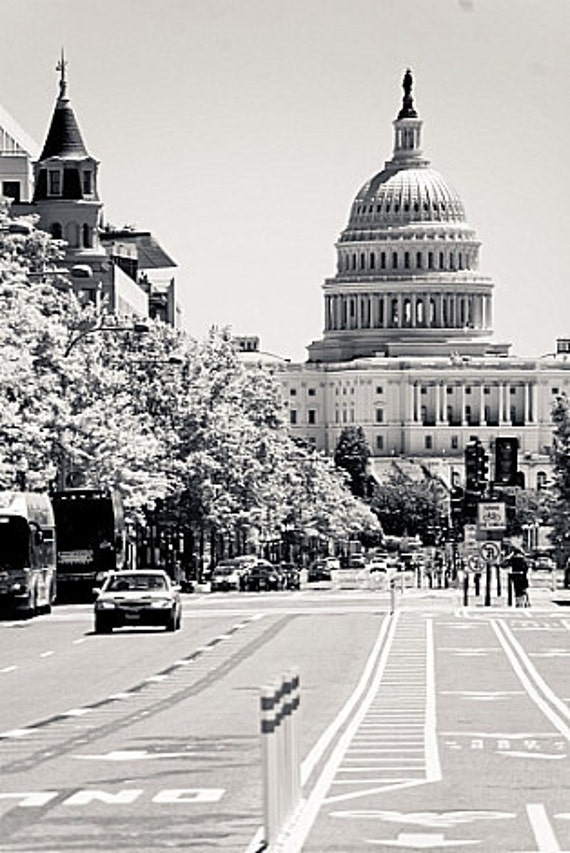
{"x": 466, "y": 589}
{"x": 279, "y": 704}
{"x": 392, "y": 595}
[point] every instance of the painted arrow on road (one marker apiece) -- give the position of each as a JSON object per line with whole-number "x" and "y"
{"x": 132, "y": 755}
{"x": 423, "y": 841}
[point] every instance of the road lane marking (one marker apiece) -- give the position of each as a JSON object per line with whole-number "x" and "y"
{"x": 17, "y": 733}
{"x": 134, "y": 755}
{"x": 532, "y": 689}
{"x": 9, "y": 669}
{"x": 46, "y": 654}
{"x": 323, "y": 742}
{"x": 421, "y": 841}
{"x": 542, "y": 829}
{"x": 76, "y": 712}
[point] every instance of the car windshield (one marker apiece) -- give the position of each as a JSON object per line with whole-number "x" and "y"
{"x": 124, "y": 583}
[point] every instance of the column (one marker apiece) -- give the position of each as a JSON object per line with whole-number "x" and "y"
{"x": 482, "y": 419}
{"x": 501, "y": 402}
{"x": 533, "y": 413}
{"x": 411, "y": 403}
{"x": 437, "y": 403}
{"x": 462, "y": 405}
{"x": 526, "y": 403}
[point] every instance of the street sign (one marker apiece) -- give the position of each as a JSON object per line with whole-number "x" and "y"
{"x": 490, "y": 551}
{"x": 491, "y": 516}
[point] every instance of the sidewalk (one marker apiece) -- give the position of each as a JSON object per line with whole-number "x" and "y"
{"x": 541, "y": 598}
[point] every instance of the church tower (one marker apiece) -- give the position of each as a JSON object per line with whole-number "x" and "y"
{"x": 66, "y": 195}
{"x": 407, "y": 280}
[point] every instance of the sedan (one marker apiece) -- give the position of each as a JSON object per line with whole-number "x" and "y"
{"x": 138, "y": 597}
{"x": 262, "y": 576}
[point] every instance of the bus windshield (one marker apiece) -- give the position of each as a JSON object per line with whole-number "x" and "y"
{"x": 14, "y": 543}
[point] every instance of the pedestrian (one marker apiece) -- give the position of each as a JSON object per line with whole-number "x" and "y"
{"x": 517, "y": 562}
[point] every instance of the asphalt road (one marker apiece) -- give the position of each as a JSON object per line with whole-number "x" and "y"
{"x": 435, "y": 727}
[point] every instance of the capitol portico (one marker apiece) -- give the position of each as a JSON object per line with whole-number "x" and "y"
{"x": 407, "y": 351}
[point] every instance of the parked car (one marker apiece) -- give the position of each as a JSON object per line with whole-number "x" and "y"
{"x": 319, "y": 571}
{"x": 290, "y": 576}
{"x": 227, "y": 576}
{"x": 544, "y": 563}
{"x": 262, "y": 576}
{"x": 378, "y": 564}
{"x": 135, "y": 598}
{"x": 356, "y": 561}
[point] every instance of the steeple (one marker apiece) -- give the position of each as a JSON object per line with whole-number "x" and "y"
{"x": 64, "y": 137}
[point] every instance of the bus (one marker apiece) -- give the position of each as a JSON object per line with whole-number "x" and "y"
{"x": 90, "y": 539}
{"x": 27, "y": 553}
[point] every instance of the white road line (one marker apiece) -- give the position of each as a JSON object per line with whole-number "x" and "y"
{"x": 80, "y": 640}
{"x": 317, "y": 751}
{"x": 532, "y": 691}
{"x": 8, "y": 669}
{"x": 312, "y": 805}
{"x": 46, "y": 654}
{"x": 543, "y": 832}
{"x": 433, "y": 766}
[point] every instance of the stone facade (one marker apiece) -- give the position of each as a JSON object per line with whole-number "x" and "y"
{"x": 407, "y": 350}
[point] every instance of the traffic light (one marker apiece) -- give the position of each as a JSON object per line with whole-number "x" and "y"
{"x": 476, "y": 466}
{"x": 482, "y": 467}
{"x": 471, "y": 466}
{"x": 506, "y": 461}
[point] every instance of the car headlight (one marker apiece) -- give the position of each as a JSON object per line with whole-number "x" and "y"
{"x": 161, "y": 602}
{"x": 104, "y": 604}
{"x": 16, "y": 587}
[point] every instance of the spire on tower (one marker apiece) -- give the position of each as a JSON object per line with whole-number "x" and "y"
{"x": 61, "y": 67}
{"x": 407, "y": 110}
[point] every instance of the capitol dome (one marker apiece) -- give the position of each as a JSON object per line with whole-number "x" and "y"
{"x": 400, "y": 195}
{"x": 407, "y": 279}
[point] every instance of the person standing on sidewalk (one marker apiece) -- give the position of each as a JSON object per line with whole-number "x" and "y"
{"x": 518, "y": 565}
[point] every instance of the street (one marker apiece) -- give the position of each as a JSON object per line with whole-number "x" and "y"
{"x": 435, "y": 727}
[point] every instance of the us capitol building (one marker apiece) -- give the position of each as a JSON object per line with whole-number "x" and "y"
{"x": 407, "y": 351}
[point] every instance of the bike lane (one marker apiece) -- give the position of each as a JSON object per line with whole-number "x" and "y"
{"x": 487, "y": 749}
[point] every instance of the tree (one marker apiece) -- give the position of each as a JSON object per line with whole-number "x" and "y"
{"x": 352, "y": 454}
{"x": 407, "y": 507}
{"x": 560, "y": 508}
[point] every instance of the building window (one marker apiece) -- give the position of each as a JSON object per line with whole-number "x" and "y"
{"x": 54, "y": 178}
{"x": 293, "y": 392}
{"x": 423, "y": 389}
{"x": 486, "y": 390}
{"x": 512, "y": 390}
{"x": 541, "y": 480}
{"x": 379, "y": 416}
{"x": 379, "y": 389}
{"x": 87, "y": 183}
{"x": 293, "y": 416}
{"x": 394, "y": 260}
{"x": 312, "y": 416}
{"x": 468, "y": 390}
{"x": 86, "y": 235}
{"x": 312, "y": 392}
{"x": 11, "y": 189}
{"x": 379, "y": 442}
{"x": 56, "y": 231}
{"x": 428, "y": 443}
{"x": 454, "y": 442}
{"x": 449, "y": 389}
{"x": 556, "y": 391}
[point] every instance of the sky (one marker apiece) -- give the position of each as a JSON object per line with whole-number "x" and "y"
{"x": 239, "y": 132}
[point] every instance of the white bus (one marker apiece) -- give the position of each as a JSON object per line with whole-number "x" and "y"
{"x": 27, "y": 553}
